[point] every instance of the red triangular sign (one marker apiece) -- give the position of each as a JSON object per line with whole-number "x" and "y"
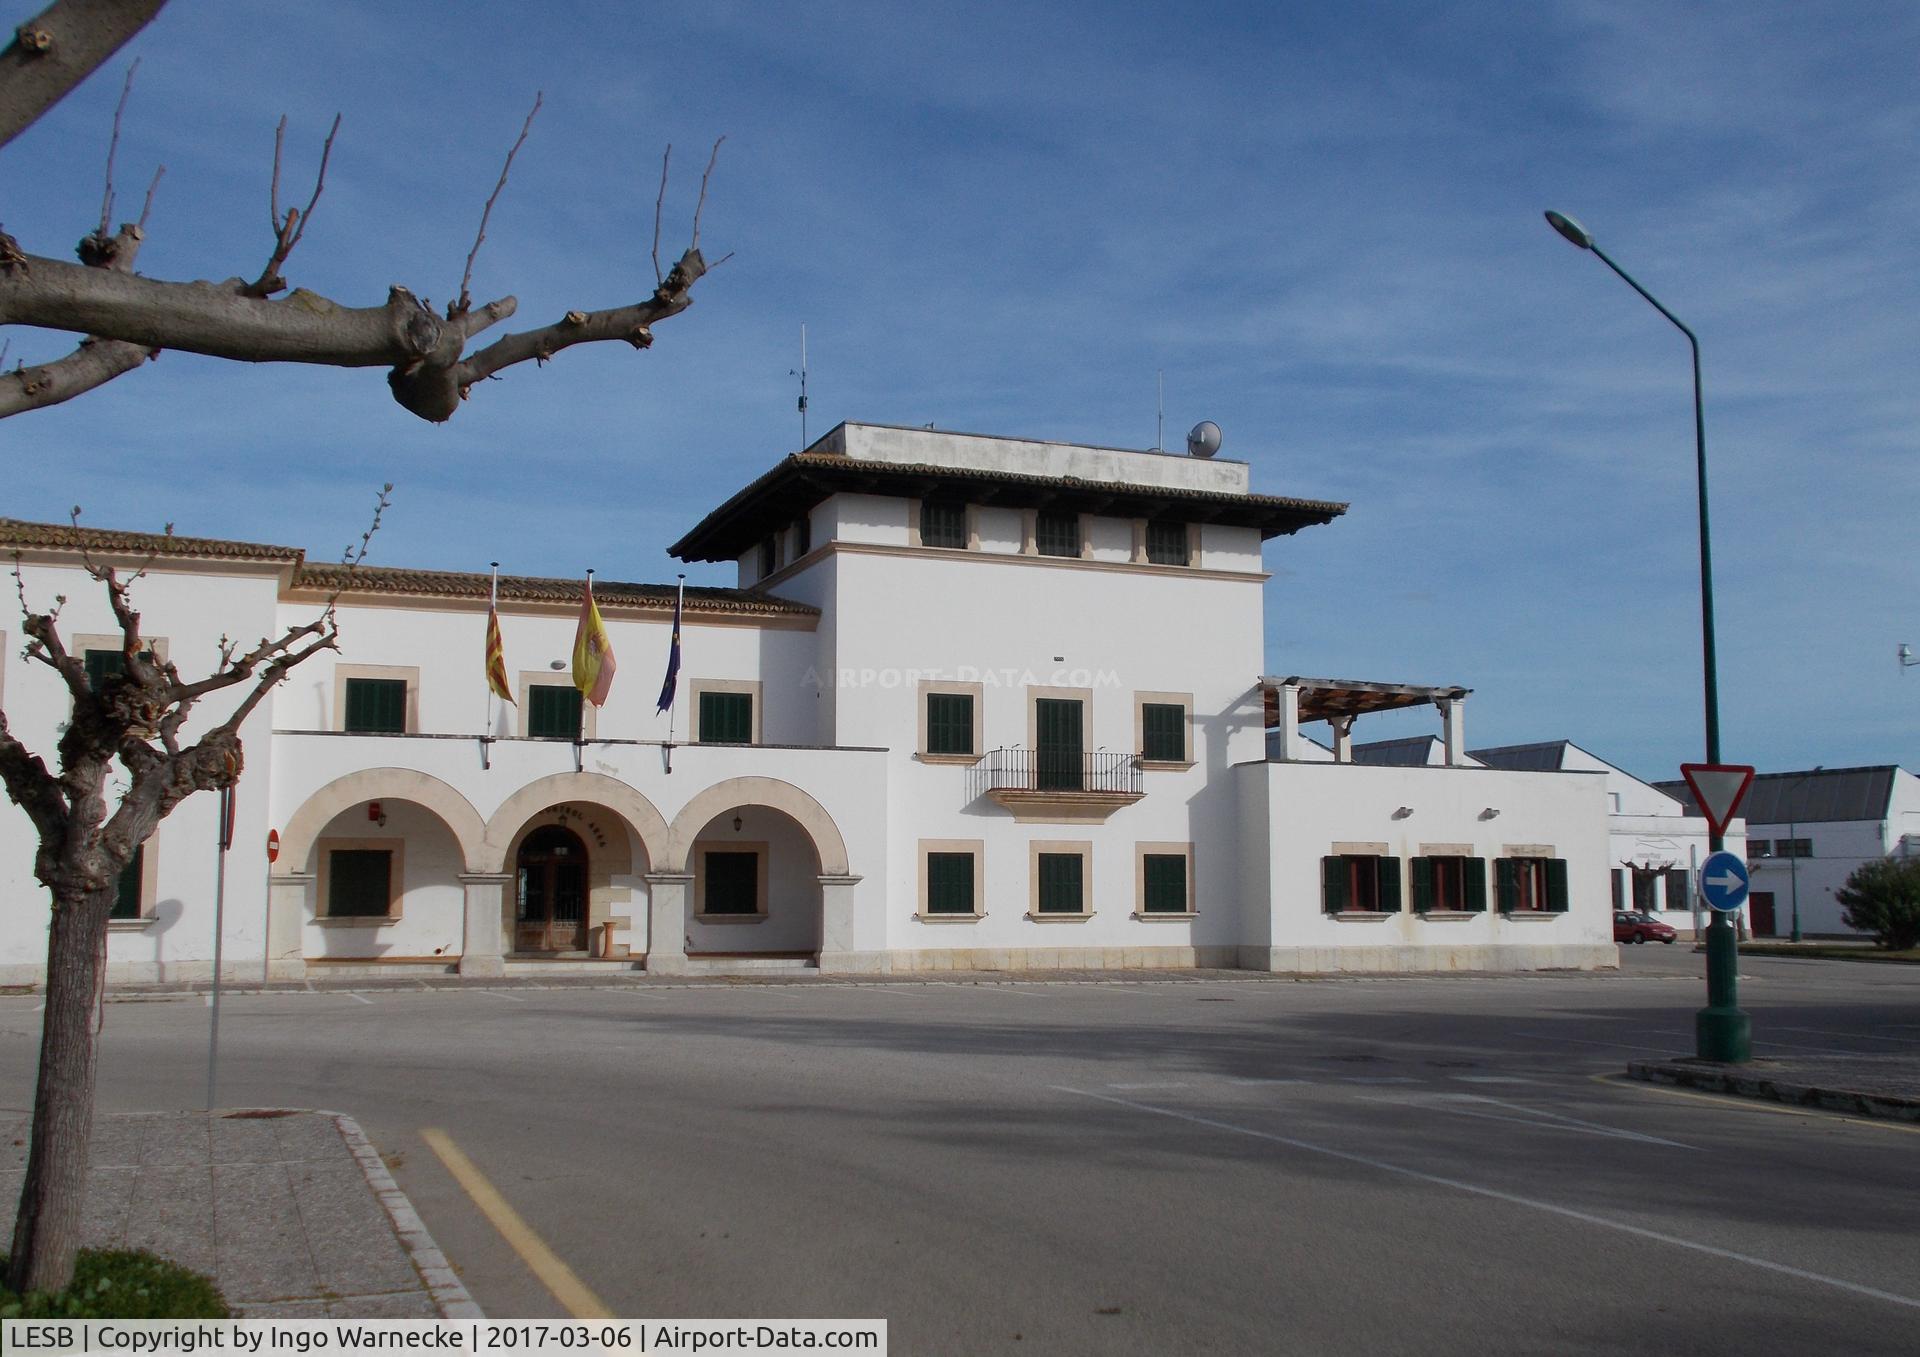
{"x": 1719, "y": 788}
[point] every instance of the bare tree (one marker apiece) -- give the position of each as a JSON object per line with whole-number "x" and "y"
{"x": 89, "y": 830}
{"x": 125, "y": 318}
{"x": 122, "y": 760}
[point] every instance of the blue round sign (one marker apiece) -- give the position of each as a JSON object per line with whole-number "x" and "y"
{"x": 1724, "y": 881}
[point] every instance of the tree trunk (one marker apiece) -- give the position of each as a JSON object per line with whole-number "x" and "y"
{"x": 46, "y": 1233}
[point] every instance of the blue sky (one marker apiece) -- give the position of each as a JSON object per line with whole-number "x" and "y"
{"x": 1322, "y": 222}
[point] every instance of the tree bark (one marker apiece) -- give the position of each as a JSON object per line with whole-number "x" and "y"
{"x": 46, "y": 1233}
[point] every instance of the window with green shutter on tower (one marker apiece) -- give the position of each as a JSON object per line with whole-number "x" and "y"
{"x": 1164, "y": 886}
{"x": 726, "y": 718}
{"x": 376, "y": 706}
{"x": 1167, "y": 542}
{"x": 554, "y": 711}
{"x": 950, "y": 728}
{"x": 951, "y": 883}
{"x": 943, "y": 523}
{"x": 1448, "y": 884}
{"x": 104, "y": 663}
{"x": 1060, "y": 884}
{"x": 1056, "y": 534}
{"x": 1163, "y": 732}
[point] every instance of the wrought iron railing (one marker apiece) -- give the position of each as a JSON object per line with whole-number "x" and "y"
{"x": 1047, "y": 770}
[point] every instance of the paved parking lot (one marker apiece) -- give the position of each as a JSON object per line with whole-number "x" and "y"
{"x": 1427, "y": 1165}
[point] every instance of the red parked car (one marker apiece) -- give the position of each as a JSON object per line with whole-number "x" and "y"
{"x": 1631, "y": 927}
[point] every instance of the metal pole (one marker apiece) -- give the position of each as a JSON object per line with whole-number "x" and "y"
{"x": 225, "y": 841}
{"x": 1722, "y": 1032}
{"x": 1793, "y": 847}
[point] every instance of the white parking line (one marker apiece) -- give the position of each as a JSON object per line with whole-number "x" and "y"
{"x": 497, "y": 994}
{"x": 1511, "y": 1198}
{"x": 1850, "y": 1036}
{"x": 1490, "y": 1079}
{"x": 1135, "y": 1087}
{"x": 361, "y": 998}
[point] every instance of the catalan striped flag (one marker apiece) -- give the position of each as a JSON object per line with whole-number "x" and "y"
{"x": 672, "y": 681}
{"x": 496, "y": 651}
{"x": 592, "y": 652}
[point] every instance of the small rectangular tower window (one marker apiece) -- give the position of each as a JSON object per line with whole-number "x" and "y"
{"x": 1056, "y": 534}
{"x": 1167, "y": 542}
{"x": 376, "y": 706}
{"x": 943, "y": 523}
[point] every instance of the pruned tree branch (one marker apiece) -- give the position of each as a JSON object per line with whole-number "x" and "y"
{"x": 96, "y": 361}
{"x": 57, "y": 49}
{"x": 113, "y": 147}
{"x": 465, "y": 303}
{"x": 288, "y": 229}
{"x": 659, "y": 202}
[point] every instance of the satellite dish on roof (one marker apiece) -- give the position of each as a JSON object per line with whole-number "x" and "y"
{"x": 1204, "y": 441}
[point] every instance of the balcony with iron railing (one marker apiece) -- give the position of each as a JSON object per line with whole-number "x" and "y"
{"x": 1051, "y": 786}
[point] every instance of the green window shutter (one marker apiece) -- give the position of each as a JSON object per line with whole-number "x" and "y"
{"x": 1166, "y": 883}
{"x": 1422, "y": 873}
{"x": 376, "y": 707}
{"x": 802, "y": 535}
{"x": 1619, "y": 888}
{"x": 1677, "y": 888}
{"x": 732, "y": 883}
{"x": 1557, "y": 885}
{"x": 726, "y": 718}
{"x": 126, "y": 900}
{"x": 1475, "y": 870}
{"x": 1389, "y": 884}
{"x": 1060, "y": 758}
{"x": 1061, "y": 885}
{"x": 950, "y": 883}
{"x": 1509, "y": 884}
{"x": 103, "y": 665}
{"x": 1163, "y": 732}
{"x": 1056, "y": 534}
{"x": 1167, "y": 542}
{"x": 553, "y": 711}
{"x": 943, "y": 523}
{"x": 359, "y": 883}
{"x": 1333, "y": 884}
{"x": 949, "y": 723}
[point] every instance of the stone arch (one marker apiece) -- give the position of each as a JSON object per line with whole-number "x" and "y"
{"x": 758, "y": 791}
{"x": 382, "y": 784}
{"x": 639, "y": 813}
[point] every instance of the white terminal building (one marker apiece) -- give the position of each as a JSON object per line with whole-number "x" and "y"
{"x": 974, "y": 702}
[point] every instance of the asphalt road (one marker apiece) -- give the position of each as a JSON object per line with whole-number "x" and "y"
{"x": 1392, "y": 1165}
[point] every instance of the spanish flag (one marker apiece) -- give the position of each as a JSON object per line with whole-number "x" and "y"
{"x": 496, "y": 652}
{"x": 592, "y": 652}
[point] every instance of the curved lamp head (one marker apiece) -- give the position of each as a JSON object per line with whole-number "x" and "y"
{"x": 1571, "y": 229}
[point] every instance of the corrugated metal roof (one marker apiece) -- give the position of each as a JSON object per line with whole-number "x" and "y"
{"x": 1411, "y": 751}
{"x": 1816, "y": 796}
{"x": 1549, "y": 756}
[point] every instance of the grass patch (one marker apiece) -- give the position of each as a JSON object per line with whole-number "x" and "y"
{"x": 121, "y": 1284}
{"x": 1831, "y": 952}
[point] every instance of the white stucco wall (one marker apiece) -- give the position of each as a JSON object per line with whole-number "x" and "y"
{"x": 881, "y": 443}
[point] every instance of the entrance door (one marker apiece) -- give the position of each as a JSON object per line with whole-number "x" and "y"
{"x": 1760, "y": 907}
{"x": 1059, "y": 757}
{"x": 551, "y": 915}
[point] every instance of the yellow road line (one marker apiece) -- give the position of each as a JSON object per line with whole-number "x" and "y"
{"x": 1740, "y": 1102}
{"x": 555, "y": 1275}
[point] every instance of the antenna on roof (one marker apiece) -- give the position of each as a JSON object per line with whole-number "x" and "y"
{"x": 802, "y": 374}
{"x": 1160, "y": 418}
{"x": 1905, "y": 655}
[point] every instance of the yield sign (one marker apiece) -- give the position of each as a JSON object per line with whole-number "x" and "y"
{"x": 1719, "y": 788}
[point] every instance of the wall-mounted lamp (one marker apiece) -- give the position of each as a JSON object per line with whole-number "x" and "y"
{"x": 1490, "y": 813}
{"x": 556, "y": 664}
{"x": 376, "y": 814}
{"x": 737, "y": 822}
{"x": 1403, "y": 812}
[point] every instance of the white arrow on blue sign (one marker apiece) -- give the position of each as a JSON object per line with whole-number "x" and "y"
{"x": 1724, "y": 882}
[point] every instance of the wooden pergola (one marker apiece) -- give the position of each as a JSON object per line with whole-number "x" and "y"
{"x": 1324, "y": 699}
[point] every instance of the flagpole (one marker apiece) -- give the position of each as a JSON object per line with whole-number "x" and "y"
{"x": 678, "y": 606}
{"x": 493, "y": 606}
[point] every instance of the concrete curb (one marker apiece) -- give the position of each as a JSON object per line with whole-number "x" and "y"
{"x": 1714, "y": 1078}
{"x": 449, "y": 1294}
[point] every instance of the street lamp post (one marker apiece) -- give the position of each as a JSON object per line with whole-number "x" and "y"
{"x": 1721, "y": 1030}
{"x": 1793, "y": 847}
